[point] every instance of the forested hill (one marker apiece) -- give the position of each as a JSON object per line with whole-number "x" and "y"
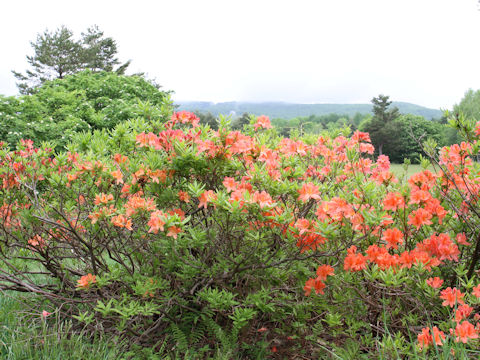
{"x": 289, "y": 110}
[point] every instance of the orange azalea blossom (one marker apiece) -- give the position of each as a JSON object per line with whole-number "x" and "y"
{"x": 263, "y": 122}
{"x": 230, "y": 184}
{"x": 263, "y": 199}
{"x": 309, "y": 241}
{"x": 157, "y": 221}
{"x": 325, "y": 270}
{"x": 157, "y": 176}
{"x": 37, "y": 242}
{"x": 337, "y": 209}
{"x": 206, "y": 197}
{"x": 393, "y": 237}
{"x": 185, "y": 117}
{"x": 440, "y": 246}
{"x": 354, "y": 261}
{"x": 173, "y": 231}
{"x": 183, "y": 196}
{"x": 434, "y": 282}
{"x": 452, "y": 297}
{"x": 86, "y": 280}
{"x": 122, "y": 221}
{"x": 419, "y": 218}
{"x": 381, "y": 257}
{"x": 270, "y": 158}
{"x": 309, "y": 191}
{"x": 117, "y": 175}
{"x": 465, "y": 331}
{"x": 103, "y": 198}
{"x": 137, "y": 202}
{"x": 393, "y": 201}
{"x": 425, "y": 339}
{"x": 463, "y": 312}
{"x": 419, "y": 197}
{"x": 462, "y": 239}
{"x": 120, "y": 159}
{"x": 303, "y": 225}
{"x": 476, "y": 291}
{"x": 316, "y": 284}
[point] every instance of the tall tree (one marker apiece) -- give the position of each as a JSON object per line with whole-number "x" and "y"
{"x": 381, "y": 126}
{"x": 57, "y": 54}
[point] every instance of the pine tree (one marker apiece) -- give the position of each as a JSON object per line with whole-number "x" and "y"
{"x": 57, "y": 54}
{"x": 380, "y": 126}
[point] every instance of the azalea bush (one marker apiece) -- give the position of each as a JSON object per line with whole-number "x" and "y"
{"x": 195, "y": 242}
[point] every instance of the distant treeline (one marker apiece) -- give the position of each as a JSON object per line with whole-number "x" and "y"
{"x": 290, "y": 110}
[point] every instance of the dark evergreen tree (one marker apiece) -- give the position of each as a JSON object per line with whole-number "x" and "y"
{"x": 381, "y": 126}
{"x": 57, "y": 54}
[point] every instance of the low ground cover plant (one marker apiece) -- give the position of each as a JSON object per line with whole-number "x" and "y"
{"x": 202, "y": 243}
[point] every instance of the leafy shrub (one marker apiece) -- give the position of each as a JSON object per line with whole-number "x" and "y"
{"x": 221, "y": 238}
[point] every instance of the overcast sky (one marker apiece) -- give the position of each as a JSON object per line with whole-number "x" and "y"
{"x": 321, "y": 51}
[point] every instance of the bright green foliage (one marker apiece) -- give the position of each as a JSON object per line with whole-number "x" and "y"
{"x": 469, "y": 106}
{"x": 85, "y": 101}
{"x": 57, "y": 54}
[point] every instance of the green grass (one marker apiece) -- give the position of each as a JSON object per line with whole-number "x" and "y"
{"x": 25, "y": 335}
{"x": 399, "y": 171}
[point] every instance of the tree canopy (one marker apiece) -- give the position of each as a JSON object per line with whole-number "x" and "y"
{"x": 57, "y": 54}
{"x": 81, "y": 102}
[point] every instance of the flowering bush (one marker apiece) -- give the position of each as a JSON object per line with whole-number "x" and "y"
{"x": 223, "y": 238}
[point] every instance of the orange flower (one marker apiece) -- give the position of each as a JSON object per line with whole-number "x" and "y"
{"x": 117, "y": 174}
{"x": 309, "y": 191}
{"x": 393, "y": 201}
{"x": 462, "y": 239}
{"x": 354, "y": 261}
{"x": 425, "y": 339}
{"x": 323, "y": 271}
{"x": 156, "y": 222}
{"x": 393, "y": 237}
{"x": 173, "y": 231}
{"x": 465, "y": 331}
{"x": 230, "y": 184}
{"x": 463, "y": 312}
{"x": 263, "y": 122}
{"x": 476, "y": 290}
{"x": 183, "y": 196}
{"x": 206, "y": 197}
{"x": 419, "y": 218}
{"x": 86, "y": 280}
{"x": 37, "y": 242}
{"x": 262, "y": 198}
{"x": 434, "y": 282}
{"x": 316, "y": 284}
{"x": 451, "y": 297}
{"x": 122, "y": 221}
{"x": 103, "y": 198}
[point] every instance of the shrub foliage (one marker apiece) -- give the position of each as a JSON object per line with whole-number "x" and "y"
{"x": 197, "y": 241}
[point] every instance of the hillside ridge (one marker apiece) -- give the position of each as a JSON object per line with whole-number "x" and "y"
{"x": 287, "y": 110}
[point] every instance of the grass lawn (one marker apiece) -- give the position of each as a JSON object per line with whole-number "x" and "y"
{"x": 399, "y": 171}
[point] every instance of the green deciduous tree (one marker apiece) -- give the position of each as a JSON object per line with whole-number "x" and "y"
{"x": 84, "y": 101}
{"x": 57, "y": 54}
